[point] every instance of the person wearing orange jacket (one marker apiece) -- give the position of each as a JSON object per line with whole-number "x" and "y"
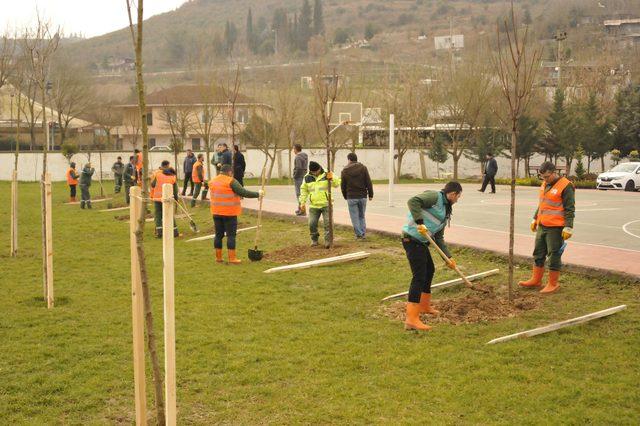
{"x": 553, "y": 224}
{"x": 226, "y": 195}
{"x": 198, "y": 177}
{"x": 165, "y": 174}
{"x": 139, "y": 164}
{"x": 72, "y": 181}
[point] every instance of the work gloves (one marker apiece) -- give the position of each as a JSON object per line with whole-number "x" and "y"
{"x": 423, "y": 230}
{"x": 567, "y": 233}
{"x": 534, "y": 225}
{"x": 303, "y": 208}
{"x": 261, "y": 193}
{"x": 329, "y": 175}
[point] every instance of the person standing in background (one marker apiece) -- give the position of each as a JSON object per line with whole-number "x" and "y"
{"x": 239, "y": 165}
{"x": 490, "y": 171}
{"x": 129, "y": 177}
{"x": 117, "y": 169}
{"x": 356, "y": 188}
{"x": 187, "y": 166}
{"x": 300, "y": 164}
{"x": 85, "y": 183}
{"x": 72, "y": 181}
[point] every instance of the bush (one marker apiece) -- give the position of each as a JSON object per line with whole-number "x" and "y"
{"x": 370, "y": 30}
{"x": 341, "y": 36}
{"x": 634, "y": 155}
{"x": 69, "y": 149}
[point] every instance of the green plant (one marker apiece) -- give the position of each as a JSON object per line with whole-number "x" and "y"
{"x": 634, "y": 155}
{"x": 615, "y": 156}
{"x": 69, "y": 149}
{"x": 580, "y": 171}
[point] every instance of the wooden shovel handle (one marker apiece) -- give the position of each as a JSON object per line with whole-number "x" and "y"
{"x": 447, "y": 260}
{"x": 264, "y": 169}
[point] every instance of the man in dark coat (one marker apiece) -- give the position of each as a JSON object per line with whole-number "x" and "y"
{"x": 490, "y": 171}
{"x": 239, "y": 165}
{"x": 187, "y": 166}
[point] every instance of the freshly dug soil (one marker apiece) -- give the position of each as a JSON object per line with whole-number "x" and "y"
{"x": 304, "y": 252}
{"x": 125, "y": 217}
{"x": 471, "y": 307}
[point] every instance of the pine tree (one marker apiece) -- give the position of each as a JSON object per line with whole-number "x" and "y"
{"x": 304, "y": 26}
{"x": 551, "y": 145}
{"x": 230, "y": 36}
{"x": 593, "y": 132}
{"x": 251, "y": 44}
{"x": 318, "y": 20}
{"x": 438, "y": 151}
{"x": 580, "y": 171}
{"x": 528, "y": 139}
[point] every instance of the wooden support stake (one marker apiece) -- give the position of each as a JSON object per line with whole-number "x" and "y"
{"x": 559, "y": 325}
{"x": 209, "y": 237}
{"x": 14, "y": 213}
{"x": 137, "y": 313}
{"x": 321, "y": 262}
{"x": 99, "y": 200}
{"x": 446, "y": 284}
{"x": 169, "y": 305}
{"x": 115, "y": 209}
{"x": 49, "y": 240}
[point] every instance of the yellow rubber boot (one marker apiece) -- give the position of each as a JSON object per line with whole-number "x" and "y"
{"x": 425, "y": 304}
{"x": 413, "y": 318}
{"x": 536, "y": 277}
{"x": 219, "y": 255}
{"x": 232, "y": 257}
{"x": 552, "y": 285}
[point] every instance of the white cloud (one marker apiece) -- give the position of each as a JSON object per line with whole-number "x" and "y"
{"x": 89, "y": 17}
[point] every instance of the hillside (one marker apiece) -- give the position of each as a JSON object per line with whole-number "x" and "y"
{"x": 194, "y": 34}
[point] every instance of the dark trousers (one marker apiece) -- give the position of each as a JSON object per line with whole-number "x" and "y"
{"x": 85, "y": 196}
{"x": 118, "y": 183}
{"x": 157, "y": 216}
{"x": 422, "y": 268}
{"x": 239, "y": 177}
{"x": 314, "y": 219}
{"x": 225, "y": 225}
{"x": 489, "y": 179}
{"x": 127, "y": 196}
{"x": 196, "y": 192}
{"x": 548, "y": 243}
{"x": 187, "y": 179}
{"x": 72, "y": 191}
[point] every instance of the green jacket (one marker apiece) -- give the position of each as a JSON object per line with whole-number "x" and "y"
{"x": 85, "y": 176}
{"x": 423, "y": 202}
{"x": 315, "y": 189}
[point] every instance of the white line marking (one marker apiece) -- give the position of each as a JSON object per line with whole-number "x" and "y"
{"x": 624, "y": 228}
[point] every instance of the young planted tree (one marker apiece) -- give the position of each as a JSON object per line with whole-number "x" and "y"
{"x": 105, "y": 117}
{"x": 516, "y": 66}
{"x": 261, "y": 134}
{"x": 178, "y": 120}
{"x": 211, "y": 112}
{"x": 231, "y": 91}
{"x": 137, "y": 38}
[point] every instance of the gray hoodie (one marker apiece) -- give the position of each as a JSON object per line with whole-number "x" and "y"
{"x": 300, "y": 164}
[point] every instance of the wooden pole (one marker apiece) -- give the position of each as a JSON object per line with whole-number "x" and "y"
{"x": 49, "y": 240}
{"x": 559, "y": 325}
{"x": 169, "y": 305}
{"x": 321, "y": 262}
{"x": 14, "y": 213}
{"x": 137, "y": 312}
{"x": 392, "y": 149}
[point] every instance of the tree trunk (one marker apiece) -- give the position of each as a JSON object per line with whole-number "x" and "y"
{"x": 602, "y": 164}
{"x": 151, "y": 337}
{"x": 399, "y": 162}
{"x": 328, "y": 141}
{"x": 43, "y": 194}
{"x": 290, "y": 165}
{"x": 272, "y": 162}
{"x": 14, "y": 193}
{"x": 100, "y": 174}
{"x": 512, "y": 208}
{"x": 423, "y": 166}
{"x": 455, "y": 166}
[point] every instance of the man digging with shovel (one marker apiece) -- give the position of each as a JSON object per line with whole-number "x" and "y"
{"x": 226, "y": 194}
{"x": 429, "y": 212}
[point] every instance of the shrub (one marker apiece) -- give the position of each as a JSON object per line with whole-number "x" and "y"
{"x": 341, "y": 36}
{"x": 634, "y": 155}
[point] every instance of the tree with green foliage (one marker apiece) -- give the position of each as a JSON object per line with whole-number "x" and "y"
{"x": 626, "y": 135}
{"x": 438, "y": 152}
{"x": 370, "y": 30}
{"x": 487, "y": 140}
{"x": 318, "y": 20}
{"x": 250, "y": 36}
{"x": 593, "y": 132}
{"x": 304, "y": 26}
{"x": 554, "y": 143}
{"x": 580, "y": 171}
{"x": 527, "y": 139}
{"x": 341, "y": 36}
{"x": 230, "y": 37}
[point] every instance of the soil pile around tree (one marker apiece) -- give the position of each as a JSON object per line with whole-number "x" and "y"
{"x": 471, "y": 307}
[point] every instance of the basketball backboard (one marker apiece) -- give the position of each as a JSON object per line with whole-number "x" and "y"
{"x": 349, "y": 113}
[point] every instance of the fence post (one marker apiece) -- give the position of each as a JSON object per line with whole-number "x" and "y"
{"x": 14, "y": 213}
{"x": 169, "y": 304}
{"x": 392, "y": 149}
{"x": 49, "y": 239}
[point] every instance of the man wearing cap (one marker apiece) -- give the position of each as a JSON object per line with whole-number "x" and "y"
{"x": 553, "y": 224}
{"x": 72, "y": 181}
{"x": 315, "y": 189}
{"x": 85, "y": 183}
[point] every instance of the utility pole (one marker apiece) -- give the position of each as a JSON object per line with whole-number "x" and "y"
{"x": 559, "y": 37}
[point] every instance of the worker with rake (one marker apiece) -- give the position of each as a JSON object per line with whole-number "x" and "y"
{"x": 165, "y": 174}
{"x": 429, "y": 213}
{"x": 553, "y": 224}
{"x": 226, "y": 206}
{"x": 315, "y": 188}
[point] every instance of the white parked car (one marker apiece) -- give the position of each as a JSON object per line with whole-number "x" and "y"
{"x": 623, "y": 176}
{"x": 161, "y": 148}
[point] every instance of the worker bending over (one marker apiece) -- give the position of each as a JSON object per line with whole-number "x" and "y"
{"x": 552, "y": 223}
{"x": 165, "y": 174}
{"x": 198, "y": 180}
{"x": 72, "y": 181}
{"x": 85, "y": 184}
{"x": 315, "y": 188}
{"x": 429, "y": 213}
{"x": 226, "y": 193}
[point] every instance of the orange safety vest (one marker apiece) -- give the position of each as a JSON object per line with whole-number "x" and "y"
{"x": 161, "y": 179}
{"x": 194, "y": 175}
{"x": 224, "y": 202}
{"x": 550, "y": 209}
{"x": 70, "y": 179}
{"x": 139, "y": 165}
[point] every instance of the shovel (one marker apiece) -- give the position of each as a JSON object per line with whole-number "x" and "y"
{"x": 254, "y": 254}
{"x": 192, "y": 224}
{"x": 447, "y": 260}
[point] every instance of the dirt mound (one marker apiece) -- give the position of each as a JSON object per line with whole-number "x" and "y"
{"x": 304, "y": 252}
{"x": 472, "y": 307}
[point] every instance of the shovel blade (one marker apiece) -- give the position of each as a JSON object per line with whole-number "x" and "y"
{"x": 255, "y": 255}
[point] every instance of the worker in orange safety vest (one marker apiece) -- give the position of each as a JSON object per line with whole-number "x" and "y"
{"x": 165, "y": 174}
{"x": 72, "y": 181}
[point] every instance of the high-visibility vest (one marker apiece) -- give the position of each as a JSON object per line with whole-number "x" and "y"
{"x": 197, "y": 165}
{"x": 139, "y": 161}
{"x": 70, "y": 179}
{"x": 435, "y": 219}
{"x": 161, "y": 179}
{"x": 224, "y": 202}
{"x": 550, "y": 209}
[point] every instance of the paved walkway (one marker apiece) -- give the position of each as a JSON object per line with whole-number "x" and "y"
{"x": 607, "y": 226}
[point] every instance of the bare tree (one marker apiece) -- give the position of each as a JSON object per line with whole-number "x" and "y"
{"x": 178, "y": 120}
{"x": 105, "y": 117}
{"x": 515, "y": 66}
{"x": 261, "y": 133}
{"x": 462, "y": 93}
{"x": 136, "y": 38}
{"x": 131, "y": 123}
{"x": 210, "y": 113}
{"x": 231, "y": 91}
{"x": 29, "y": 105}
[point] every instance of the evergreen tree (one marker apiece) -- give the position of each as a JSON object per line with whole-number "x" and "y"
{"x": 304, "y": 26}
{"x": 293, "y": 33}
{"x": 527, "y": 140}
{"x": 594, "y": 132}
{"x": 555, "y": 142}
{"x": 627, "y": 120}
{"x": 251, "y": 41}
{"x": 488, "y": 140}
{"x": 318, "y": 20}
{"x": 438, "y": 152}
{"x": 230, "y": 37}
{"x": 527, "y": 17}
{"x": 580, "y": 171}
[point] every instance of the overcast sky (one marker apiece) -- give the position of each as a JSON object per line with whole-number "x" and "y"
{"x": 90, "y": 17}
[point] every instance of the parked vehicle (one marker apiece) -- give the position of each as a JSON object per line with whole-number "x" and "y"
{"x": 623, "y": 176}
{"x": 161, "y": 148}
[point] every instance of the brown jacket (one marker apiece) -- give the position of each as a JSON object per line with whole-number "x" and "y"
{"x": 356, "y": 182}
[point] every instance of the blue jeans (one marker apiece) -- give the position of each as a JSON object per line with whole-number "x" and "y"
{"x": 357, "y": 208}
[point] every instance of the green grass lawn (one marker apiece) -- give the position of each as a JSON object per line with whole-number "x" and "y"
{"x": 307, "y": 347}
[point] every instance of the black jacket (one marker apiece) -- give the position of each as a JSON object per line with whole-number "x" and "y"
{"x": 239, "y": 165}
{"x": 492, "y": 167}
{"x": 356, "y": 182}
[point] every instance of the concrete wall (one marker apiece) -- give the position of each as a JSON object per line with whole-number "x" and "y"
{"x": 30, "y": 164}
